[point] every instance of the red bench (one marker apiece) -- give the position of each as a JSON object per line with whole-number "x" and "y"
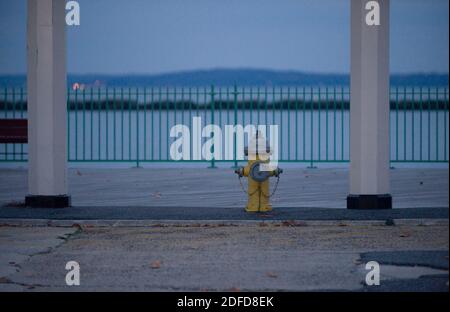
{"x": 13, "y": 131}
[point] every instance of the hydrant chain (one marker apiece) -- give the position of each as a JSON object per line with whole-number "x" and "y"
{"x": 243, "y": 188}
{"x": 274, "y": 189}
{"x": 268, "y": 196}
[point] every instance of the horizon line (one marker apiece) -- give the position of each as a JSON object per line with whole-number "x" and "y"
{"x": 231, "y": 69}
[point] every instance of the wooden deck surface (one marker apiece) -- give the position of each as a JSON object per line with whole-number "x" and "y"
{"x": 201, "y": 187}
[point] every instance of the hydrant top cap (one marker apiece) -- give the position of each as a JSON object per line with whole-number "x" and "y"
{"x": 257, "y": 145}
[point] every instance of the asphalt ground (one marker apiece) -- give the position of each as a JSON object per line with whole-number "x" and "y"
{"x": 212, "y": 257}
{"x": 216, "y": 213}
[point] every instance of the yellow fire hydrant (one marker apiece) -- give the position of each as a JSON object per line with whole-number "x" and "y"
{"x": 258, "y": 177}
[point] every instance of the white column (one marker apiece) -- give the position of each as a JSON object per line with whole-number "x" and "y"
{"x": 369, "y": 108}
{"x": 46, "y": 88}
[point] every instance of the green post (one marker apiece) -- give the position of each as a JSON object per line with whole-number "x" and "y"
{"x": 160, "y": 126}
{"x": 114, "y": 125}
{"x": 167, "y": 123}
{"x": 304, "y": 121}
{"x": 76, "y": 124}
{"x": 5, "y": 107}
{"x": 437, "y": 123}
{"x": 319, "y": 133}
{"x": 429, "y": 123}
{"x": 14, "y": 116}
{"x": 396, "y": 124}
{"x": 326, "y": 123}
{"x": 137, "y": 127}
{"x": 334, "y": 123}
{"x": 99, "y": 109}
{"x": 235, "y": 94}
{"x": 420, "y": 131}
{"x": 92, "y": 122}
{"x": 289, "y": 124}
{"x": 311, "y": 161}
{"x": 281, "y": 122}
{"x": 106, "y": 122}
{"x": 212, "y": 123}
{"x": 145, "y": 123}
{"x": 153, "y": 121}
{"x": 129, "y": 124}
{"x": 21, "y": 115}
{"x": 296, "y": 124}
{"x": 404, "y": 122}
{"x": 342, "y": 122}
{"x": 413, "y": 111}
{"x": 121, "y": 123}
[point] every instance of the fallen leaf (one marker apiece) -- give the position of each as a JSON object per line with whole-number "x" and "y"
{"x": 15, "y": 204}
{"x": 405, "y": 235}
{"x": 78, "y": 226}
{"x": 289, "y": 223}
{"x": 390, "y": 222}
{"x": 4, "y": 280}
{"x": 271, "y": 274}
{"x": 156, "y": 264}
{"x": 235, "y": 289}
{"x": 156, "y": 195}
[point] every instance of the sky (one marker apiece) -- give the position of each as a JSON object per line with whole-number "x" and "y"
{"x": 159, "y": 36}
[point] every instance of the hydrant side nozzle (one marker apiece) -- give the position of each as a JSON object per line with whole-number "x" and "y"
{"x": 278, "y": 171}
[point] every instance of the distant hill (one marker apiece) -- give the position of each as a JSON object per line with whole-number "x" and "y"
{"x": 230, "y": 77}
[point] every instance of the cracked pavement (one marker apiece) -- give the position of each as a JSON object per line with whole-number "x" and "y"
{"x": 214, "y": 257}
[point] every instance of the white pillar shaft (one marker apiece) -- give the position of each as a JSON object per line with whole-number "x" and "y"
{"x": 46, "y": 83}
{"x": 369, "y": 101}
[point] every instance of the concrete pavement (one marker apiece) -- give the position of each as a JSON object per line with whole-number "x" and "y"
{"x": 258, "y": 256}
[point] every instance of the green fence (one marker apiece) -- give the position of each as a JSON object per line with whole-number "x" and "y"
{"x": 133, "y": 124}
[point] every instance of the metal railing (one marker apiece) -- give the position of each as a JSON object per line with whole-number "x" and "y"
{"x": 133, "y": 124}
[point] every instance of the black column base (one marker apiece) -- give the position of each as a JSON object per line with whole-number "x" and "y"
{"x": 47, "y": 201}
{"x": 379, "y": 201}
